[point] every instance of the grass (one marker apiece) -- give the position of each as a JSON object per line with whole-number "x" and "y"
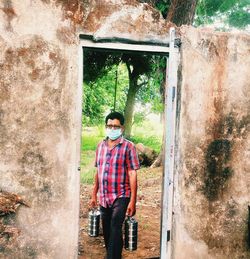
{"x": 88, "y": 176}
{"x": 91, "y": 136}
{"x": 87, "y": 166}
{"x": 149, "y": 134}
{"x": 152, "y": 141}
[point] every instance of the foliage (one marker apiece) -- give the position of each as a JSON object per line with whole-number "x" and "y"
{"x": 98, "y": 63}
{"x": 95, "y": 99}
{"x": 151, "y": 93}
{"x": 99, "y": 84}
{"x": 227, "y": 13}
{"x": 88, "y": 176}
{"x": 161, "y": 5}
{"x": 98, "y": 95}
{"x": 89, "y": 142}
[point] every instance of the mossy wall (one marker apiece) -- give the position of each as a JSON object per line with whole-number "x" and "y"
{"x": 40, "y": 111}
{"x": 212, "y": 167}
{"x": 40, "y": 123}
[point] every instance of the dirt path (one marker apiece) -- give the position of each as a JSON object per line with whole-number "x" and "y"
{"x": 148, "y": 217}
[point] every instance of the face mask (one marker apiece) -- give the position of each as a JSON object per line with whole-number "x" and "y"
{"x": 113, "y": 134}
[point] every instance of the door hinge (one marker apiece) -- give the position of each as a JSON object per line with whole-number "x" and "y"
{"x": 173, "y": 93}
{"x": 168, "y": 235}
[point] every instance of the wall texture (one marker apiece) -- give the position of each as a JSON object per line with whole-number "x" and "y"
{"x": 40, "y": 123}
{"x": 38, "y": 104}
{"x": 213, "y": 180}
{"x": 40, "y": 111}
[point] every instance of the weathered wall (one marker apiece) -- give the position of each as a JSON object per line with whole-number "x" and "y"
{"x": 40, "y": 111}
{"x": 40, "y": 118}
{"x": 38, "y": 104}
{"x": 213, "y": 146}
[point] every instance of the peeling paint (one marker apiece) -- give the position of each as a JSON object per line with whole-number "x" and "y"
{"x": 39, "y": 129}
{"x": 66, "y": 35}
{"x": 73, "y": 10}
{"x": 9, "y": 12}
{"x": 213, "y": 137}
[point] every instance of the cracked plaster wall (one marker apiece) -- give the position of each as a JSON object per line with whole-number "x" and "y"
{"x": 213, "y": 180}
{"x": 40, "y": 110}
{"x": 40, "y": 106}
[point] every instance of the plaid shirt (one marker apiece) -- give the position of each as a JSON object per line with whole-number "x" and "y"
{"x": 113, "y": 166}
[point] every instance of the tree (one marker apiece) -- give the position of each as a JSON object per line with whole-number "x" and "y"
{"x": 181, "y": 12}
{"x": 99, "y": 85}
{"x": 137, "y": 65}
{"x": 140, "y": 69}
{"x": 161, "y": 5}
{"x": 227, "y": 13}
{"x": 177, "y": 11}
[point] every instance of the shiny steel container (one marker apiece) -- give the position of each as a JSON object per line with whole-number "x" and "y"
{"x": 94, "y": 223}
{"x": 131, "y": 233}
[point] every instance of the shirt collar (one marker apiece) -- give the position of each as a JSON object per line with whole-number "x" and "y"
{"x": 120, "y": 141}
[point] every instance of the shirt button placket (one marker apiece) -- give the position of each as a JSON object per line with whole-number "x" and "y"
{"x": 106, "y": 177}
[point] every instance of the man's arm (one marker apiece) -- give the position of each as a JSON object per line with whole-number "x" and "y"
{"x": 133, "y": 186}
{"x": 93, "y": 202}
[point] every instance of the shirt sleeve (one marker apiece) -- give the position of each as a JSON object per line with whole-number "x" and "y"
{"x": 132, "y": 161}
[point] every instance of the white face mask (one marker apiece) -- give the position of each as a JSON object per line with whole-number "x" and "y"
{"x": 113, "y": 134}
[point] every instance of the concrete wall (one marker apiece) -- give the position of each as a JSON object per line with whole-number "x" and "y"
{"x": 40, "y": 119}
{"x": 213, "y": 180}
{"x": 38, "y": 127}
{"x": 40, "y": 111}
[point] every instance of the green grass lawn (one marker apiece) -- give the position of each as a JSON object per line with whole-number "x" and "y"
{"x": 150, "y": 134}
{"x": 91, "y": 136}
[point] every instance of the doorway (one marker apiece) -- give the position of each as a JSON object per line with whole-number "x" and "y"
{"x": 171, "y": 53}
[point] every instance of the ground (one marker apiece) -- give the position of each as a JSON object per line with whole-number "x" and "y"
{"x": 148, "y": 216}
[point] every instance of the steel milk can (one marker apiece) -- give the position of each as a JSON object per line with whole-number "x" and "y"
{"x": 131, "y": 232}
{"x": 94, "y": 223}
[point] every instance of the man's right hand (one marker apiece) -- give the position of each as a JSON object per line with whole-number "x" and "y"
{"x": 93, "y": 203}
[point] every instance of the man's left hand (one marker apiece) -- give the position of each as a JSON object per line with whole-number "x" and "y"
{"x": 131, "y": 209}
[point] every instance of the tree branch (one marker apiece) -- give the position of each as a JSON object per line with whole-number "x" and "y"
{"x": 129, "y": 70}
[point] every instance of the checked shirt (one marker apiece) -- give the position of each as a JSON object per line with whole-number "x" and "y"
{"x": 113, "y": 166}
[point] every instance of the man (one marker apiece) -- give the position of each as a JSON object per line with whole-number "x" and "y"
{"x": 116, "y": 181}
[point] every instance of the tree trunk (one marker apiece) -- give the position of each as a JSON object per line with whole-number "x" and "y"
{"x": 159, "y": 160}
{"x": 182, "y": 12}
{"x": 129, "y": 107}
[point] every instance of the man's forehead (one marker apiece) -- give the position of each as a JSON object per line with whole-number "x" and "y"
{"x": 113, "y": 122}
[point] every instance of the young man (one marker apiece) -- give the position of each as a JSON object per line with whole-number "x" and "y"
{"x": 116, "y": 181}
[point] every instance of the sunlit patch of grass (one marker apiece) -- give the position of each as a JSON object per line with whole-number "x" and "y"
{"x": 149, "y": 134}
{"x": 87, "y": 159}
{"x": 152, "y": 141}
{"x": 91, "y": 136}
{"x": 87, "y": 166}
{"x": 88, "y": 176}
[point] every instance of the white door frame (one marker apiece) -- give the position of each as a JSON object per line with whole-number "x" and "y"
{"x": 169, "y": 159}
{"x": 170, "y": 117}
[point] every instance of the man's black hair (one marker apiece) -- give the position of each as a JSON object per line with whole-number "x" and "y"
{"x": 115, "y": 115}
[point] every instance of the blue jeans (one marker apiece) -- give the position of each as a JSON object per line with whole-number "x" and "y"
{"x": 112, "y": 220}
